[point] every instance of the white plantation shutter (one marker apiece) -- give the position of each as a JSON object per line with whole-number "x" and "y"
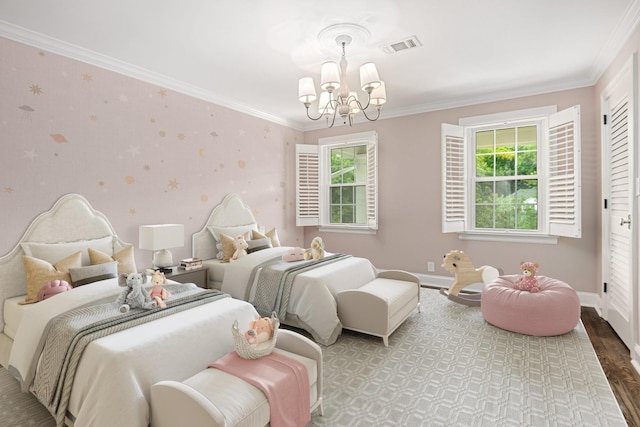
{"x": 453, "y": 179}
{"x": 372, "y": 185}
{"x": 307, "y": 185}
{"x": 563, "y": 181}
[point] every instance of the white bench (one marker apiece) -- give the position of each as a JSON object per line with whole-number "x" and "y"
{"x": 380, "y": 306}
{"x": 215, "y": 398}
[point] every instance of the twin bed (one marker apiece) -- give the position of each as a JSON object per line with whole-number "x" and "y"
{"x": 109, "y": 381}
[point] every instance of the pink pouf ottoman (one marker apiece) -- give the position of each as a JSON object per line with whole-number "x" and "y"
{"x": 555, "y": 310}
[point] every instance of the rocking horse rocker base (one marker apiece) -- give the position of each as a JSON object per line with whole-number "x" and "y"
{"x": 472, "y": 300}
{"x": 459, "y": 264}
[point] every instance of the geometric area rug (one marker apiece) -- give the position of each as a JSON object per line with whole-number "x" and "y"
{"x": 446, "y": 366}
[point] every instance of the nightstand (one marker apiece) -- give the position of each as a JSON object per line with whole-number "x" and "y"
{"x": 198, "y": 276}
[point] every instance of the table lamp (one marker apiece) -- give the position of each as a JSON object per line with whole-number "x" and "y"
{"x": 159, "y": 238}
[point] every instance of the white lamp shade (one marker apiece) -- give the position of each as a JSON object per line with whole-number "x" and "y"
{"x": 369, "y": 78}
{"x": 306, "y": 90}
{"x": 378, "y": 95}
{"x": 329, "y": 76}
{"x": 161, "y": 236}
{"x": 324, "y": 106}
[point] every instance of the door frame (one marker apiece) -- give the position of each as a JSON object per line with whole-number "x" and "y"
{"x": 629, "y": 70}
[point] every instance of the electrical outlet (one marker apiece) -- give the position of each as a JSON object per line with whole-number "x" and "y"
{"x": 431, "y": 267}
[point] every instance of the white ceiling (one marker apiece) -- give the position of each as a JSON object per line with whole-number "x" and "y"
{"x": 249, "y": 54}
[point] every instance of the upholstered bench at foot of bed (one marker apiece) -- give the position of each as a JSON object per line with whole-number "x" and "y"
{"x": 554, "y": 310}
{"x": 380, "y": 306}
{"x": 214, "y": 398}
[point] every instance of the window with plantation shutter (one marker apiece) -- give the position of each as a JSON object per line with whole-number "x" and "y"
{"x": 453, "y": 180}
{"x": 307, "y": 185}
{"x": 337, "y": 183}
{"x": 564, "y": 174}
{"x": 513, "y": 175}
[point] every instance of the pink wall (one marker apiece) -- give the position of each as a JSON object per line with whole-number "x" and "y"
{"x": 410, "y": 205}
{"x": 139, "y": 153}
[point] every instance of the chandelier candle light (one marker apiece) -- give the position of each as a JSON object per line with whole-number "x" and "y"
{"x": 336, "y": 98}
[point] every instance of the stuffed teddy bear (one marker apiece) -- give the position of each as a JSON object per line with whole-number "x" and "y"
{"x": 133, "y": 296}
{"x": 158, "y": 293}
{"x": 241, "y": 247}
{"x": 260, "y": 330}
{"x": 527, "y": 280}
{"x": 316, "y": 251}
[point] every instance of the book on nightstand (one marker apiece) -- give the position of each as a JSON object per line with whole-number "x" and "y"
{"x": 167, "y": 270}
{"x": 190, "y": 263}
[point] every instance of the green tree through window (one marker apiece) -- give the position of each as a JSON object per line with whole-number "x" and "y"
{"x": 506, "y": 181}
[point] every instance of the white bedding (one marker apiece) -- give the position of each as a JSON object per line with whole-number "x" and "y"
{"x": 312, "y": 304}
{"x": 13, "y": 315}
{"x": 112, "y": 384}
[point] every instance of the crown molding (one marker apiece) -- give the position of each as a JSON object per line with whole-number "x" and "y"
{"x": 50, "y": 44}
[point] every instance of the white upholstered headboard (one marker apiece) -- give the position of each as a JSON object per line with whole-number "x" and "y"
{"x": 69, "y": 220}
{"x": 231, "y": 212}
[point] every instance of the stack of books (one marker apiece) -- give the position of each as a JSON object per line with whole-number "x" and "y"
{"x": 190, "y": 263}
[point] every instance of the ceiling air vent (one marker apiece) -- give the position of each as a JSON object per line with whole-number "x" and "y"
{"x": 406, "y": 44}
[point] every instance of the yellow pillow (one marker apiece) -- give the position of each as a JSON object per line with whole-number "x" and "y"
{"x": 41, "y": 272}
{"x": 255, "y": 235}
{"x": 125, "y": 258}
{"x": 273, "y": 235}
{"x": 228, "y": 247}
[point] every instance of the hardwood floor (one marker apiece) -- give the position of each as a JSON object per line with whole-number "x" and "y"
{"x": 616, "y": 363}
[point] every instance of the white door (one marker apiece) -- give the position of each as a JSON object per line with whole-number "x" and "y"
{"x": 618, "y": 218}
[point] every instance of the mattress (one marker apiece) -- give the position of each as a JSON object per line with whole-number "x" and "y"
{"x": 216, "y": 272}
{"x": 13, "y": 313}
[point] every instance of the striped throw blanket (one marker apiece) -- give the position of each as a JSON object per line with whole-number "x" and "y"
{"x": 275, "y": 281}
{"x": 70, "y": 333}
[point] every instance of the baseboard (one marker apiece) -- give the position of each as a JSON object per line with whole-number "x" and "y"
{"x": 635, "y": 358}
{"x": 587, "y": 299}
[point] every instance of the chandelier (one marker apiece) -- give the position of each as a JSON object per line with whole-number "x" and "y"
{"x": 336, "y": 98}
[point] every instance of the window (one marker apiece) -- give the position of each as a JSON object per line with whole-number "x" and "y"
{"x": 336, "y": 183}
{"x": 514, "y": 174}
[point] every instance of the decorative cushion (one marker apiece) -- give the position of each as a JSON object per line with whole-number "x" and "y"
{"x": 53, "y": 288}
{"x": 125, "y": 258}
{"x": 258, "y": 244}
{"x": 555, "y": 310}
{"x": 273, "y": 235}
{"x": 54, "y": 252}
{"x": 40, "y": 272}
{"x": 93, "y": 273}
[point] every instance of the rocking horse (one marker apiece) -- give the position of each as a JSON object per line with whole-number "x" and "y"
{"x": 459, "y": 264}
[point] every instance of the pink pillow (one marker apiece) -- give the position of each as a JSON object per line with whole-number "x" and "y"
{"x": 293, "y": 254}
{"x": 53, "y": 288}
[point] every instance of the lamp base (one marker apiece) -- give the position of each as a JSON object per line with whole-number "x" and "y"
{"x": 162, "y": 258}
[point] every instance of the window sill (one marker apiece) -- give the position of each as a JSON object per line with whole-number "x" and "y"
{"x": 510, "y": 238}
{"x": 346, "y": 229}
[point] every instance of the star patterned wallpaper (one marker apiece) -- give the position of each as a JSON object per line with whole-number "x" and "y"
{"x": 140, "y": 153}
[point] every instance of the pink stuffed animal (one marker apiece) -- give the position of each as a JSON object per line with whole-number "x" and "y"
{"x": 527, "y": 281}
{"x": 260, "y": 330}
{"x": 158, "y": 292}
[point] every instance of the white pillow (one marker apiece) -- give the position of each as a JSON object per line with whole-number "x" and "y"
{"x": 54, "y": 252}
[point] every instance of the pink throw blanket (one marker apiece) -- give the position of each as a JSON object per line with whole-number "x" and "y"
{"x": 282, "y": 379}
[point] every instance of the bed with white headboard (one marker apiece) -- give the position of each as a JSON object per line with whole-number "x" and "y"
{"x": 312, "y": 305}
{"x": 114, "y": 375}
